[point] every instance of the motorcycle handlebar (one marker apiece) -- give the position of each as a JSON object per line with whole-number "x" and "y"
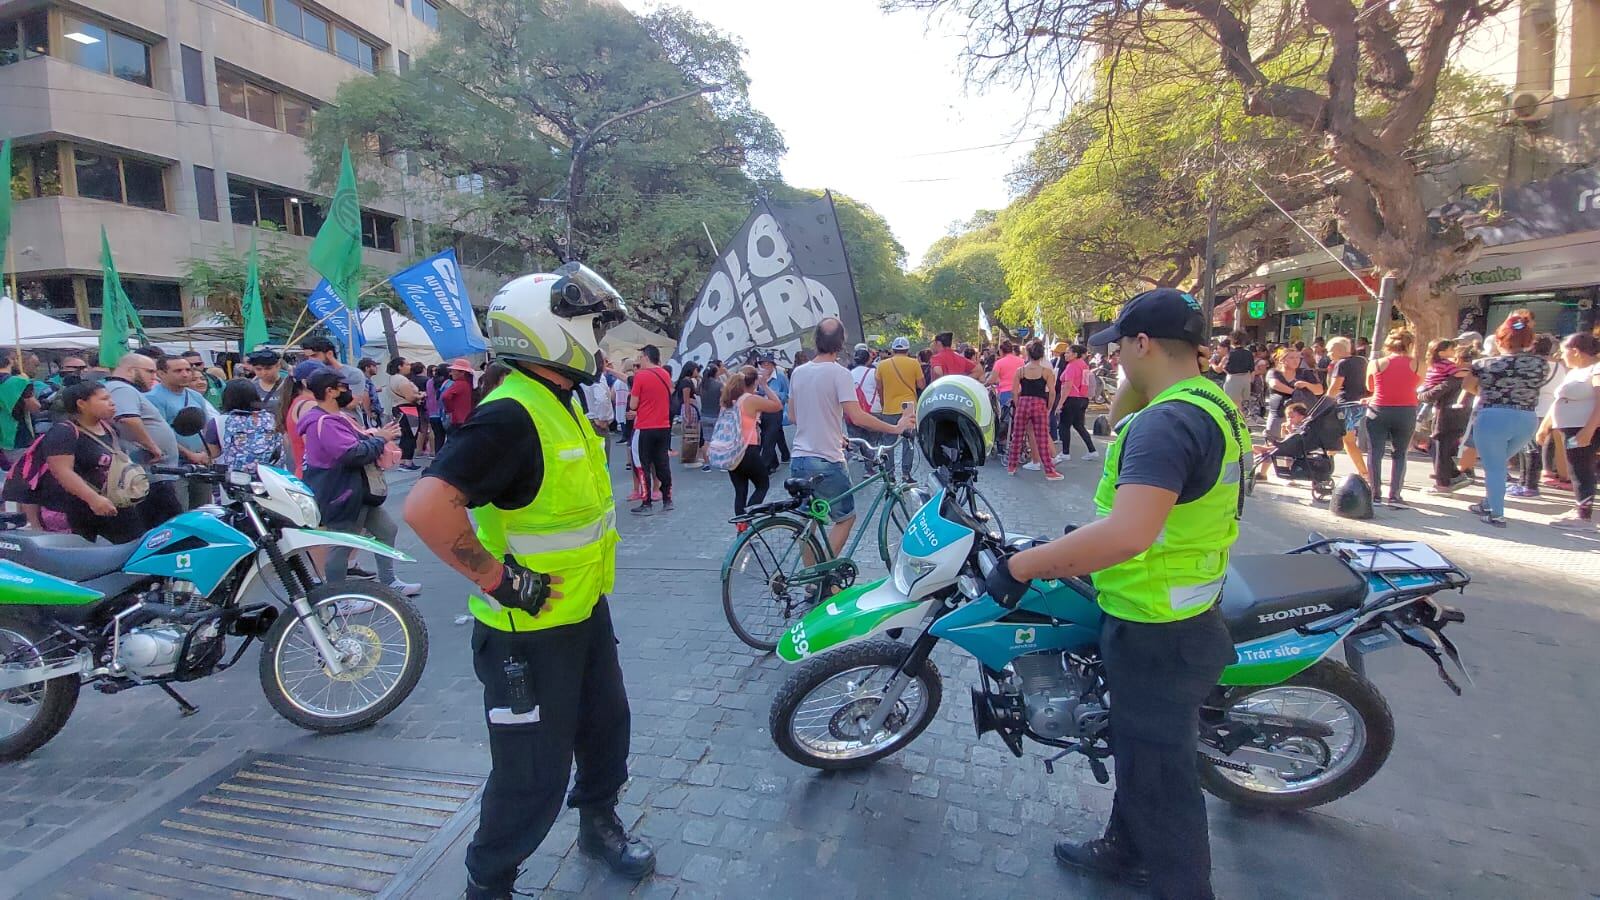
{"x": 186, "y": 470}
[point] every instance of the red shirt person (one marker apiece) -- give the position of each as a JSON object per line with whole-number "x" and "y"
{"x": 457, "y": 396}
{"x": 651, "y": 411}
{"x": 945, "y": 360}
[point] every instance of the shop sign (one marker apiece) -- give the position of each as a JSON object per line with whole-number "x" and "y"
{"x": 1294, "y": 293}
{"x": 1342, "y": 287}
{"x": 1257, "y": 308}
{"x": 1575, "y": 265}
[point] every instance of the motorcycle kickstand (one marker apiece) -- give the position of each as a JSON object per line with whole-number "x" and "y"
{"x": 185, "y": 708}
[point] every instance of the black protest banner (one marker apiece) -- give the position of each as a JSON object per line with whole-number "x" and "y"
{"x": 784, "y": 271}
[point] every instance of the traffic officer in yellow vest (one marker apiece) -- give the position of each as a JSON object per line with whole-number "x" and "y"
{"x": 1168, "y": 503}
{"x": 543, "y": 556}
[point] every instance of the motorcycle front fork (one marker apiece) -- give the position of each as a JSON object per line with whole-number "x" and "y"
{"x": 901, "y": 680}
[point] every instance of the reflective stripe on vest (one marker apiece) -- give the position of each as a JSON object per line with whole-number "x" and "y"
{"x": 1181, "y": 574}
{"x": 570, "y": 539}
{"x": 569, "y": 527}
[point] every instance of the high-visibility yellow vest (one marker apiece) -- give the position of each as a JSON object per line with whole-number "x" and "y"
{"x": 570, "y": 527}
{"x": 1181, "y": 574}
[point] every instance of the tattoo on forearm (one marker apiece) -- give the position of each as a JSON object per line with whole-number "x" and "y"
{"x": 471, "y": 555}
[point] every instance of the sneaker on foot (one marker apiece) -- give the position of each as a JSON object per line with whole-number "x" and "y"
{"x": 1032, "y": 467}
{"x": 1442, "y": 490}
{"x": 405, "y": 588}
{"x": 643, "y": 509}
{"x": 358, "y": 572}
{"x": 1491, "y": 519}
{"x": 1053, "y": 476}
{"x": 706, "y": 467}
{"x": 1395, "y": 503}
{"x": 1459, "y": 480}
{"x": 1517, "y": 490}
{"x": 1063, "y": 457}
{"x": 1092, "y": 454}
{"x": 1103, "y": 858}
{"x": 350, "y": 607}
{"x": 1571, "y": 523}
{"x": 1478, "y": 509}
{"x": 666, "y": 506}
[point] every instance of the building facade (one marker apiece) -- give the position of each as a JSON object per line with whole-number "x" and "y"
{"x": 180, "y": 126}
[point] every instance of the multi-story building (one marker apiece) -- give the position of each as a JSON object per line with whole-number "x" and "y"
{"x": 179, "y": 125}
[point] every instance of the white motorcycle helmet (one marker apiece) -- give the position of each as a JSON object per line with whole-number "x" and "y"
{"x": 556, "y": 320}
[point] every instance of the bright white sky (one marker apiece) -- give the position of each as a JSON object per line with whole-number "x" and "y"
{"x": 869, "y": 104}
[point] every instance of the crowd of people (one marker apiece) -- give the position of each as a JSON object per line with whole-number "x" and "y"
{"x": 1520, "y": 406}
{"x": 89, "y": 449}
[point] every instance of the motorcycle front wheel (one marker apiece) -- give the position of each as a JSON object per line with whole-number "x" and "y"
{"x": 382, "y": 644}
{"x": 1298, "y": 771}
{"x": 819, "y": 715}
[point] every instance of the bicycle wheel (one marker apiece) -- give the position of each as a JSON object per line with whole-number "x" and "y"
{"x": 756, "y": 594}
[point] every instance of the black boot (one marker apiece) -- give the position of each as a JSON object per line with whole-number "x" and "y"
{"x": 1104, "y": 858}
{"x": 601, "y": 835}
{"x": 476, "y": 891}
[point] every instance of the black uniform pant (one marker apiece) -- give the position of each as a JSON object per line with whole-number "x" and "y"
{"x": 576, "y": 684}
{"x": 1158, "y": 675}
{"x": 774, "y": 444}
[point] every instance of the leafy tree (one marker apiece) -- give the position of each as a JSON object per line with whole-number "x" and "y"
{"x": 510, "y": 87}
{"x": 1363, "y": 88}
{"x": 960, "y": 271}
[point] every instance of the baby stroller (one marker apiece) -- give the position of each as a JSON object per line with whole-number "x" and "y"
{"x": 1306, "y": 452}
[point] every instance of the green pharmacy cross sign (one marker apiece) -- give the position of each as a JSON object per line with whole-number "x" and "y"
{"x": 1294, "y": 293}
{"x": 1257, "y": 308}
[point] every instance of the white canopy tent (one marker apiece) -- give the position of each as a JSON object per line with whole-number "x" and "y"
{"x": 410, "y": 338}
{"x": 624, "y": 340}
{"x": 40, "y": 332}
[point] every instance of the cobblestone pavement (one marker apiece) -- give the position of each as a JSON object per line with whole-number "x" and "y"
{"x": 1488, "y": 795}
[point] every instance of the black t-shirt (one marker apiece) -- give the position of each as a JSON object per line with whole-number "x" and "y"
{"x": 1175, "y": 446}
{"x": 1353, "y": 369}
{"x": 90, "y": 459}
{"x": 496, "y": 457}
{"x": 1241, "y": 361}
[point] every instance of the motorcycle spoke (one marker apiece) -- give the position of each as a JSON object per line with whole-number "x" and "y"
{"x": 375, "y": 646}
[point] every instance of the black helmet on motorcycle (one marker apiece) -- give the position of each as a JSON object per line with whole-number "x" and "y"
{"x": 1352, "y": 499}
{"x": 955, "y": 425}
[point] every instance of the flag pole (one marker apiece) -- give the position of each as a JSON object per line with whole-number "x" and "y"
{"x": 296, "y": 338}
{"x": 16, "y": 304}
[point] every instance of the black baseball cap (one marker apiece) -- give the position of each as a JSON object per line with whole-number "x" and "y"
{"x": 1163, "y": 313}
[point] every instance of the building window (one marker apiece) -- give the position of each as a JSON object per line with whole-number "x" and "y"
{"x": 101, "y": 176}
{"x": 261, "y": 104}
{"x": 403, "y": 61}
{"x": 35, "y": 172}
{"x": 160, "y": 303}
{"x": 51, "y": 296}
{"x": 205, "y": 192}
{"x": 316, "y": 30}
{"x": 94, "y": 46}
{"x": 319, "y": 32}
{"x": 256, "y": 8}
{"x": 378, "y": 231}
{"x": 24, "y": 37}
{"x": 427, "y": 11}
{"x": 194, "y": 75}
{"x": 252, "y": 204}
{"x": 286, "y": 14}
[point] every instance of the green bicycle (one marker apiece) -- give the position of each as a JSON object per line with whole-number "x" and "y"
{"x": 781, "y": 564}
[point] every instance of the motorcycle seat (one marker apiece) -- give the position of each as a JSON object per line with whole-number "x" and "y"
{"x": 1267, "y": 594}
{"x": 65, "y": 556}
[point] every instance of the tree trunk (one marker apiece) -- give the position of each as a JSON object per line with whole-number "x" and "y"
{"x": 1431, "y": 315}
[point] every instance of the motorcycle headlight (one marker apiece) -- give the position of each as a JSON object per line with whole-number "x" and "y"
{"x": 908, "y": 570}
{"x": 307, "y": 505}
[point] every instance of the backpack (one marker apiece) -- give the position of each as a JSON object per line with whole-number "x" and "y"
{"x": 727, "y": 446}
{"x": 250, "y": 441}
{"x": 126, "y": 481}
{"x": 861, "y": 397}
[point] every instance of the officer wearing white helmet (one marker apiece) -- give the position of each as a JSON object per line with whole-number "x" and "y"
{"x": 543, "y": 556}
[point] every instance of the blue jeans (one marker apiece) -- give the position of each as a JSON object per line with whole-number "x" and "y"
{"x": 835, "y": 481}
{"x": 1499, "y": 432}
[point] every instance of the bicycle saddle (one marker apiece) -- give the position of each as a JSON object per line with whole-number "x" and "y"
{"x": 802, "y": 486}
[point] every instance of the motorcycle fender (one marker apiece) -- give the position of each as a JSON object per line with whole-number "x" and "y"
{"x": 1276, "y": 658}
{"x": 854, "y": 614}
{"x": 295, "y": 540}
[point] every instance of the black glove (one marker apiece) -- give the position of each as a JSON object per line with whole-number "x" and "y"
{"x": 1006, "y": 590}
{"x": 522, "y": 588}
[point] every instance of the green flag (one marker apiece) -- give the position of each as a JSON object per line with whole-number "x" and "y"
{"x": 255, "y": 321}
{"x": 5, "y": 200}
{"x": 336, "y": 253}
{"x": 113, "y": 308}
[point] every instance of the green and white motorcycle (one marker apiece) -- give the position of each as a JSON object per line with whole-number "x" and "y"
{"x": 160, "y": 611}
{"x": 1288, "y": 727}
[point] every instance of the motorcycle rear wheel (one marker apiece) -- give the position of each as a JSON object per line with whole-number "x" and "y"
{"x": 33, "y": 714}
{"x": 1328, "y": 687}
{"x": 812, "y": 729}
{"x": 373, "y": 685}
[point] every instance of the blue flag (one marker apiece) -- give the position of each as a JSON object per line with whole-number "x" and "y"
{"x": 324, "y": 302}
{"x": 437, "y": 297}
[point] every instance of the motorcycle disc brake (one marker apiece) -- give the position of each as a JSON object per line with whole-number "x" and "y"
{"x": 360, "y": 649}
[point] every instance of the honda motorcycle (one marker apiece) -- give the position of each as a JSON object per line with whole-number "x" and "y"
{"x": 160, "y": 611}
{"x": 1288, "y": 726}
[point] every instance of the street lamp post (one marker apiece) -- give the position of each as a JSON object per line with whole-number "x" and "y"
{"x": 582, "y": 147}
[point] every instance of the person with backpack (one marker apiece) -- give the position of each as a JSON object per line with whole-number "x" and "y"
{"x": 245, "y": 435}
{"x": 68, "y": 470}
{"x": 735, "y": 444}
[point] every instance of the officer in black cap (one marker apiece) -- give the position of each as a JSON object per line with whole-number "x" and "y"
{"x": 1168, "y": 506}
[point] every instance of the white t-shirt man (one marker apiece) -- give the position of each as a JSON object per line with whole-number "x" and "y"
{"x": 816, "y": 390}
